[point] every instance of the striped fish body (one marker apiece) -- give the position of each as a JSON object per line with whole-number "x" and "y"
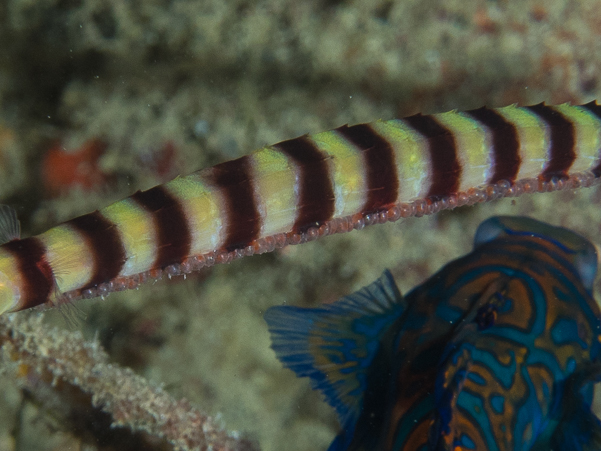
{"x": 497, "y": 351}
{"x": 301, "y": 189}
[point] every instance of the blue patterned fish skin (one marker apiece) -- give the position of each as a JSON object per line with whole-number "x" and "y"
{"x": 497, "y": 351}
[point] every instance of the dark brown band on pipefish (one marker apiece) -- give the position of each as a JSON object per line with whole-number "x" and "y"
{"x": 316, "y": 200}
{"x": 446, "y": 170}
{"x": 173, "y": 232}
{"x": 38, "y": 278}
{"x": 381, "y": 174}
{"x": 505, "y": 144}
{"x": 102, "y": 237}
{"x": 234, "y": 179}
{"x": 562, "y": 151}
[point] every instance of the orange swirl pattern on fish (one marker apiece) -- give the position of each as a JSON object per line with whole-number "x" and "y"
{"x": 497, "y": 351}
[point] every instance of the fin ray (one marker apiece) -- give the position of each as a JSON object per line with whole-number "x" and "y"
{"x": 334, "y": 345}
{"x": 10, "y": 227}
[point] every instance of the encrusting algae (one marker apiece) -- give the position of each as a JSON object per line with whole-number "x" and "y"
{"x": 75, "y": 383}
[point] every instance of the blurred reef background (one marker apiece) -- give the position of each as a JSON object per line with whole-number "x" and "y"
{"x": 101, "y": 98}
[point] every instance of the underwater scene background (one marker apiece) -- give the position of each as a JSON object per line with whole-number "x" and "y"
{"x": 102, "y": 98}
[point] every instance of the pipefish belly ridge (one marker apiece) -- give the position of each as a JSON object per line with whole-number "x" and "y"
{"x": 301, "y": 189}
{"x": 498, "y": 351}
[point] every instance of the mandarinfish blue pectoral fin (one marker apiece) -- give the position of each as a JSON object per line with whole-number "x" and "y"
{"x": 335, "y": 345}
{"x": 579, "y": 432}
{"x": 581, "y": 252}
{"x": 578, "y": 428}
